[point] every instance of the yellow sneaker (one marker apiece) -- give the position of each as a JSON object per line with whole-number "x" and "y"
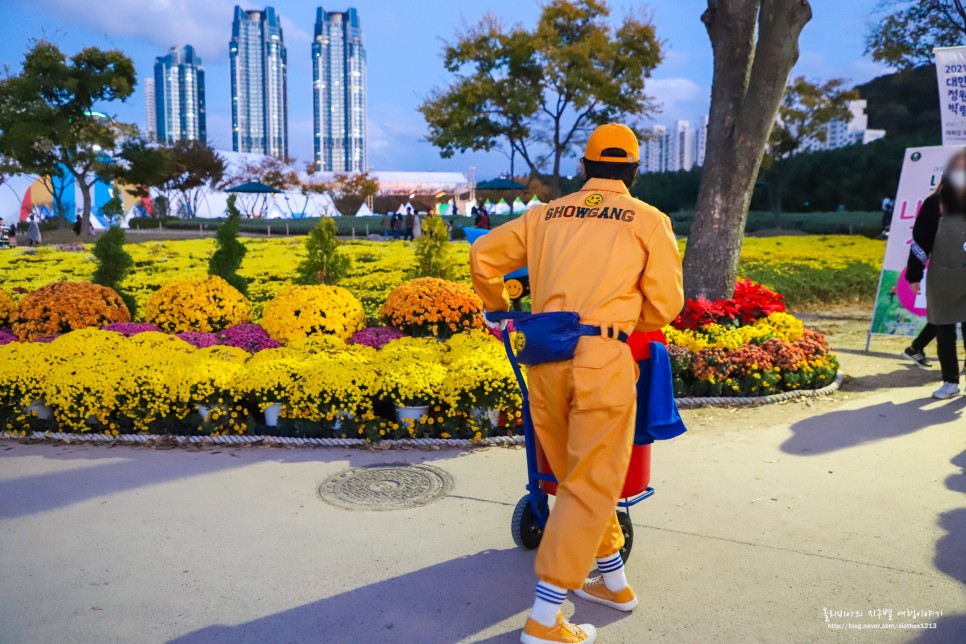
{"x": 594, "y": 590}
{"x": 563, "y": 631}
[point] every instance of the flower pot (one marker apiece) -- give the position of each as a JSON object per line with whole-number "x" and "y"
{"x": 413, "y": 413}
{"x": 481, "y": 414}
{"x": 271, "y": 414}
{"x": 40, "y": 409}
{"x": 341, "y": 418}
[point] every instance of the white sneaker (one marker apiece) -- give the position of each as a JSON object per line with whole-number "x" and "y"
{"x": 947, "y": 391}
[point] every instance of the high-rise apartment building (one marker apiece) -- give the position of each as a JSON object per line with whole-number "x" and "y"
{"x": 151, "y": 112}
{"x": 259, "y": 83}
{"x": 339, "y": 92}
{"x": 179, "y": 96}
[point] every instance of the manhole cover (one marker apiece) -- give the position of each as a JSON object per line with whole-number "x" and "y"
{"x": 386, "y": 487}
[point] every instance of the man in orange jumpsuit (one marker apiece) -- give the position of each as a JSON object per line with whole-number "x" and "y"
{"x": 614, "y": 261}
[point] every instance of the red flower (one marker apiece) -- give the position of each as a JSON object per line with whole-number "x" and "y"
{"x": 751, "y": 302}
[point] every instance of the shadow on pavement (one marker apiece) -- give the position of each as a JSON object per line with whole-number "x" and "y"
{"x": 951, "y": 560}
{"x": 445, "y": 603}
{"x": 141, "y": 467}
{"x": 901, "y": 378}
{"x": 846, "y": 428}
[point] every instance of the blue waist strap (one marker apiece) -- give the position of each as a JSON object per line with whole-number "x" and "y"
{"x": 587, "y": 329}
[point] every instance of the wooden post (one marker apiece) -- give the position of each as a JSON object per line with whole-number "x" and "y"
{"x": 367, "y": 231}
{"x": 269, "y": 231}
{"x": 286, "y": 229}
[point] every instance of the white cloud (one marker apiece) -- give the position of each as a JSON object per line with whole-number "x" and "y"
{"x": 204, "y": 24}
{"x": 678, "y": 98}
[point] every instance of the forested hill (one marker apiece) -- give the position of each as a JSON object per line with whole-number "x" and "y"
{"x": 905, "y": 105}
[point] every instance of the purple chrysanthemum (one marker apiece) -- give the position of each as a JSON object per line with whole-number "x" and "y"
{"x": 376, "y": 336}
{"x": 127, "y": 329}
{"x": 198, "y": 339}
{"x": 6, "y": 337}
{"x": 250, "y": 337}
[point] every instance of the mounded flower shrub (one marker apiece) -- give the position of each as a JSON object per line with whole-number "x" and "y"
{"x": 61, "y": 307}
{"x": 433, "y": 307}
{"x": 206, "y": 304}
{"x": 7, "y": 307}
{"x": 302, "y": 311}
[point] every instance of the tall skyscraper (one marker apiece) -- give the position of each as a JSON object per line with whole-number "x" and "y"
{"x": 259, "y": 83}
{"x": 152, "y": 117}
{"x": 339, "y": 92}
{"x": 179, "y": 96}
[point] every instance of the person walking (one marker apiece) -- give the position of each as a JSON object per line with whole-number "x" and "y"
{"x": 33, "y": 232}
{"x": 410, "y": 217}
{"x": 417, "y": 227}
{"x": 613, "y": 261}
{"x": 386, "y": 225}
{"x": 939, "y": 238}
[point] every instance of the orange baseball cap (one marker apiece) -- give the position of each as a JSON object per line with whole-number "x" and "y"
{"x": 613, "y": 143}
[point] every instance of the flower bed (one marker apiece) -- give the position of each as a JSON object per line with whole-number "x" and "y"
{"x": 95, "y": 380}
{"x": 209, "y": 361}
{"x": 746, "y": 346}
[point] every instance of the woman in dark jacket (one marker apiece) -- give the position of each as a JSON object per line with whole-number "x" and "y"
{"x": 939, "y": 238}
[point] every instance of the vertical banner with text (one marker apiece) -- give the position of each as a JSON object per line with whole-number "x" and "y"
{"x": 899, "y": 311}
{"x": 951, "y": 72}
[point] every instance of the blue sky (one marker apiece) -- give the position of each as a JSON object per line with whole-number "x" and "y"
{"x": 403, "y": 41}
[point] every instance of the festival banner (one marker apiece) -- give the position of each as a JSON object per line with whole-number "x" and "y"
{"x": 899, "y": 311}
{"x": 951, "y": 71}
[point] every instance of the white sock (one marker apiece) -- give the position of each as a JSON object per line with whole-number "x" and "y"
{"x": 612, "y": 568}
{"x": 547, "y": 604}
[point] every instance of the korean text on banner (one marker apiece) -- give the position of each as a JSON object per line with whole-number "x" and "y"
{"x": 951, "y": 71}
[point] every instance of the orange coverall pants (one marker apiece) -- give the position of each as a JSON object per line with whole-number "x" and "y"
{"x": 583, "y": 413}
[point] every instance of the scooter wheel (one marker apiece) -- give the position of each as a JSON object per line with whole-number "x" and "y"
{"x": 627, "y": 528}
{"x": 526, "y": 533}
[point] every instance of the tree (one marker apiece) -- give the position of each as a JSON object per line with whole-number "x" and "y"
{"x": 433, "y": 252}
{"x": 324, "y": 263}
{"x": 47, "y": 117}
{"x": 540, "y": 91}
{"x": 755, "y": 46}
{"x": 271, "y": 171}
{"x": 355, "y": 189}
{"x": 143, "y": 165}
{"x": 803, "y": 117}
{"x": 113, "y": 263}
{"x": 229, "y": 251}
{"x": 113, "y": 209}
{"x": 904, "y": 33}
{"x": 196, "y": 169}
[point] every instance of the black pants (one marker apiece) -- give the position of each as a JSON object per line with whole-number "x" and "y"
{"x": 928, "y": 334}
{"x": 946, "y": 345}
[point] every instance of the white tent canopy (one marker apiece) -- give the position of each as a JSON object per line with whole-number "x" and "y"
{"x": 364, "y": 210}
{"x": 518, "y": 206}
{"x": 501, "y": 208}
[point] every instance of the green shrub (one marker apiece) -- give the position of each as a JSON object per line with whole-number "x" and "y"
{"x": 433, "y": 252}
{"x": 113, "y": 264}
{"x": 324, "y": 262}
{"x": 229, "y": 251}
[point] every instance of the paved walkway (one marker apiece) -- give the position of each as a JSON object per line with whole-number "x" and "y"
{"x": 849, "y": 504}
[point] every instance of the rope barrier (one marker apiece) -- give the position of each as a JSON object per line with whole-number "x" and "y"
{"x": 146, "y": 439}
{"x": 402, "y": 443}
{"x": 753, "y": 401}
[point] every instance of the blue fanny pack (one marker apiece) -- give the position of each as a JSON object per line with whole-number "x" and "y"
{"x": 548, "y": 337}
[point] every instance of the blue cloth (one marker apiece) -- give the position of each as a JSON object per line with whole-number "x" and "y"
{"x": 657, "y": 413}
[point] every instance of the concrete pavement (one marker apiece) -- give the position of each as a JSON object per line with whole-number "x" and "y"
{"x": 844, "y": 504}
